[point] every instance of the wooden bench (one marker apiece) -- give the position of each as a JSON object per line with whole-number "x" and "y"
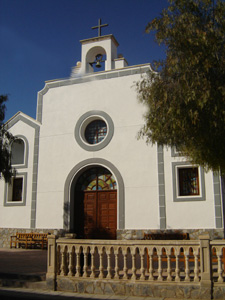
{"x": 29, "y": 240}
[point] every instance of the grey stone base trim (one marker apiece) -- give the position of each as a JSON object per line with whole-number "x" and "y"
{"x": 5, "y": 234}
{"x": 128, "y": 288}
{"x": 161, "y": 187}
{"x": 129, "y": 234}
{"x": 217, "y": 200}
{"x": 219, "y": 291}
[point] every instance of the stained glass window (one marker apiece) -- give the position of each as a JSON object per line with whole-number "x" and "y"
{"x": 96, "y": 179}
{"x": 95, "y": 132}
{"x": 188, "y": 181}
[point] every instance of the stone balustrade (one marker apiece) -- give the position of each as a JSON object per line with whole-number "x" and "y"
{"x": 194, "y": 264}
{"x": 218, "y": 260}
{"x": 152, "y": 261}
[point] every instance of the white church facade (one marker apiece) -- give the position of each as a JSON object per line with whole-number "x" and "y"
{"x": 81, "y": 169}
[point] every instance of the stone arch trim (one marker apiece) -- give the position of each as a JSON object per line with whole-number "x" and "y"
{"x": 92, "y": 52}
{"x": 76, "y": 171}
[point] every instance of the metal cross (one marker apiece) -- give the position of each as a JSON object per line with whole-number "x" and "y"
{"x": 99, "y": 26}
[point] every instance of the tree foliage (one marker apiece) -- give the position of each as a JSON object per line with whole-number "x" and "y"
{"x": 185, "y": 93}
{"x": 6, "y": 139}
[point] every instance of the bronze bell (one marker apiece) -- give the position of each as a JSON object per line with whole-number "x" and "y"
{"x": 98, "y": 65}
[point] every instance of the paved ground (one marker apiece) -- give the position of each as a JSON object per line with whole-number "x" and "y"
{"x": 22, "y": 261}
{"x": 14, "y": 294}
{"x": 17, "y": 263}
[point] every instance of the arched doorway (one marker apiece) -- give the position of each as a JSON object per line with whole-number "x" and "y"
{"x": 95, "y": 204}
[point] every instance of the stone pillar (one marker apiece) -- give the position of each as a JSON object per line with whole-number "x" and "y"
{"x": 205, "y": 262}
{"x": 51, "y": 263}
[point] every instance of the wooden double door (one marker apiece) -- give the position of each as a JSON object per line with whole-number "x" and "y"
{"x": 97, "y": 214}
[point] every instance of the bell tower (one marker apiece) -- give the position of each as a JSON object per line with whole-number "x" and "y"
{"x": 99, "y": 51}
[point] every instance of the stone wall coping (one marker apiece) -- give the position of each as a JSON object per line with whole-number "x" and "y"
{"x": 204, "y": 236}
{"x": 217, "y": 242}
{"x": 128, "y": 242}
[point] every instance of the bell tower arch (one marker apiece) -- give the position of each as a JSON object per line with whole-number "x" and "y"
{"x": 97, "y": 51}
{"x": 103, "y": 45}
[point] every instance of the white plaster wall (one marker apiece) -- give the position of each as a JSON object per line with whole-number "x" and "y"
{"x": 136, "y": 161}
{"x": 188, "y": 214}
{"x": 141, "y": 208}
{"x": 59, "y": 151}
{"x": 19, "y": 216}
{"x": 50, "y": 204}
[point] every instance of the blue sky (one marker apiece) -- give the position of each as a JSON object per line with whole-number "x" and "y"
{"x": 40, "y": 40}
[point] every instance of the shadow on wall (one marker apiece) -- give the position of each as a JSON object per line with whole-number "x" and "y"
{"x": 66, "y": 216}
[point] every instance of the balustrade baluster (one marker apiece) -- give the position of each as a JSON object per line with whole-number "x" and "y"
{"x": 142, "y": 253}
{"x": 101, "y": 275}
{"x": 220, "y": 270}
{"x": 92, "y": 263}
{"x": 150, "y": 264}
{"x": 177, "y": 270}
{"x": 85, "y": 274}
{"x": 108, "y": 253}
{"x": 63, "y": 265}
{"x": 196, "y": 268}
{"x": 133, "y": 275}
{"x": 159, "y": 265}
{"x": 78, "y": 267}
{"x": 169, "y": 277}
{"x": 71, "y": 262}
{"x": 116, "y": 276}
{"x": 151, "y": 278}
{"x": 187, "y": 269}
{"x": 125, "y": 269}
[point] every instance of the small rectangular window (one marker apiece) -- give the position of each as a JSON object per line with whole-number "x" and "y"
{"x": 17, "y": 193}
{"x": 16, "y": 190}
{"x": 188, "y": 181}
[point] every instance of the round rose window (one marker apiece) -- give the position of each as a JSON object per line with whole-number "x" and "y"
{"x": 95, "y": 131}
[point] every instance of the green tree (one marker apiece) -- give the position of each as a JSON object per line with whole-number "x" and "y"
{"x": 6, "y": 139}
{"x": 185, "y": 92}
